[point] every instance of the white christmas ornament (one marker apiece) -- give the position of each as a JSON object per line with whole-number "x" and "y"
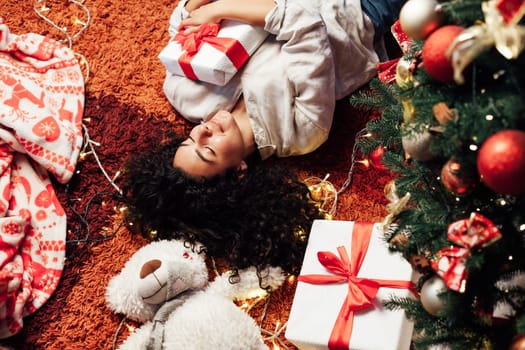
{"x": 417, "y": 144}
{"x": 430, "y": 295}
{"x": 419, "y": 18}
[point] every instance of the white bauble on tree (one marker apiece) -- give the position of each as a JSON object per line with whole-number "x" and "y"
{"x": 430, "y": 295}
{"x": 419, "y": 18}
{"x": 417, "y": 144}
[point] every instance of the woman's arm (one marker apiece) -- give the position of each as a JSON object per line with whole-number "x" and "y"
{"x": 248, "y": 11}
{"x": 195, "y": 4}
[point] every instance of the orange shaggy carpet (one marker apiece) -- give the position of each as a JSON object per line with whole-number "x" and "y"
{"x": 125, "y": 108}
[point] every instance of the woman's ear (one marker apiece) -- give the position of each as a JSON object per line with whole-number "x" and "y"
{"x": 241, "y": 169}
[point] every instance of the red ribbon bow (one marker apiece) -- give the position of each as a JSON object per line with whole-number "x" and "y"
{"x": 361, "y": 291}
{"x": 511, "y": 10}
{"x": 476, "y": 231}
{"x": 191, "y": 43}
{"x": 386, "y": 71}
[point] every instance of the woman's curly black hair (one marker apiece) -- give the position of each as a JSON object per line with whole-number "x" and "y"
{"x": 260, "y": 219}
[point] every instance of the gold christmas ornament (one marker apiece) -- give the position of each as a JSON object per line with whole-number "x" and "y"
{"x": 419, "y": 18}
{"x": 322, "y": 192}
{"x": 319, "y": 192}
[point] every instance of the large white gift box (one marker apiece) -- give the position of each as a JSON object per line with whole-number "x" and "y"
{"x": 213, "y": 54}
{"x": 318, "y": 317}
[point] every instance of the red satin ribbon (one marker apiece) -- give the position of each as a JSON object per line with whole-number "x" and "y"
{"x": 207, "y": 33}
{"x": 386, "y": 71}
{"x": 361, "y": 291}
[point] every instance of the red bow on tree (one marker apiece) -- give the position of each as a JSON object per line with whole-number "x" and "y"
{"x": 474, "y": 232}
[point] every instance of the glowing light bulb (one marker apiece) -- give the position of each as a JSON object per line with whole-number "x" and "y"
{"x": 130, "y": 328}
{"x": 76, "y": 21}
{"x": 365, "y": 162}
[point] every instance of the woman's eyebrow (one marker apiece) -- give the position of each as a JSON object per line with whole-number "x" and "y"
{"x": 199, "y": 154}
{"x": 202, "y": 157}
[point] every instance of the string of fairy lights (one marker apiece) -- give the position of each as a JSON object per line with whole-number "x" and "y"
{"x": 323, "y": 192}
{"x": 40, "y": 8}
{"x": 70, "y": 29}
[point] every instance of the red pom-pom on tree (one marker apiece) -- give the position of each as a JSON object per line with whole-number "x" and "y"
{"x": 434, "y": 57}
{"x": 501, "y": 162}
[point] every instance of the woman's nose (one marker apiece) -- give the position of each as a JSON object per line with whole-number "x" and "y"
{"x": 205, "y": 131}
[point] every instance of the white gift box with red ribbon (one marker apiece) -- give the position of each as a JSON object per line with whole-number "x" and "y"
{"x": 336, "y": 307}
{"x": 215, "y": 53}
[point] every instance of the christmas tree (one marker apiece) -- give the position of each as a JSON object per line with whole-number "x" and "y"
{"x": 451, "y": 131}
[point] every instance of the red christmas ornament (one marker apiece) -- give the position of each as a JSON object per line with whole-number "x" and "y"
{"x": 434, "y": 57}
{"x": 457, "y": 177}
{"x": 376, "y": 158}
{"x": 501, "y": 162}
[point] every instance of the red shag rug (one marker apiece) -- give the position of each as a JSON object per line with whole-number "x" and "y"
{"x": 125, "y": 108}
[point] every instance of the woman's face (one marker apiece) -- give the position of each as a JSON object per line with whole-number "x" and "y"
{"x": 212, "y": 147}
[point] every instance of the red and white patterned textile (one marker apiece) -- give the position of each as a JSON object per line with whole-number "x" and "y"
{"x": 41, "y": 108}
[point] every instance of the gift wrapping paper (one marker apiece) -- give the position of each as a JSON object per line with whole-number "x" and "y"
{"x": 316, "y": 307}
{"x": 215, "y": 61}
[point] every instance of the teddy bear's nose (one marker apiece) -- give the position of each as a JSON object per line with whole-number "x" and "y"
{"x": 149, "y": 267}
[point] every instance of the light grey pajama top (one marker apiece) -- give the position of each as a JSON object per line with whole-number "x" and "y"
{"x": 318, "y": 51}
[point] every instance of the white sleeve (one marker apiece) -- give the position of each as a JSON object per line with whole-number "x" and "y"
{"x": 309, "y": 67}
{"x": 177, "y": 16}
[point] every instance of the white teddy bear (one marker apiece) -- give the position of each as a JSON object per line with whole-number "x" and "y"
{"x": 165, "y": 286}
